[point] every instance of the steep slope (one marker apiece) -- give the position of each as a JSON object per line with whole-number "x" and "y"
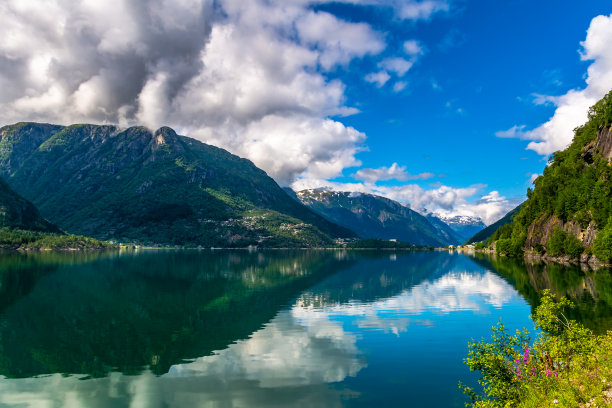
{"x": 451, "y": 237}
{"x": 17, "y": 212}
{"x": 464, "y": 226}
{"x": 156, "y": 188}
{"x": 570, "y": 207}
{"x": 488, "y": 232}
{"x": 372, "y": 216}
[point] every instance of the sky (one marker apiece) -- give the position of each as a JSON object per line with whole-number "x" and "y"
{"x": 448, "y": 106}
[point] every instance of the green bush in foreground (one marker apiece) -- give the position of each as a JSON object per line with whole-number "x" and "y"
{"x": 566, "y": 366}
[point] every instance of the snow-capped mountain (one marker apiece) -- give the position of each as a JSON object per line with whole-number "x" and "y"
{"x": 464, "y": 225}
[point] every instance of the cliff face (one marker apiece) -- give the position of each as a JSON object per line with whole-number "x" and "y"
{"x": 540, "y": 231}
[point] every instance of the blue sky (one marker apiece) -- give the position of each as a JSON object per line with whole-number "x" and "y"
{"x": 450, "y": 106}
{"x": 484, "y": 64}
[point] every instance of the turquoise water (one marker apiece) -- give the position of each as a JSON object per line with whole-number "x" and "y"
{"x": 260, "y": 329}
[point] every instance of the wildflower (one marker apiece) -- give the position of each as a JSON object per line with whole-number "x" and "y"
{"x": 548, "y": 373}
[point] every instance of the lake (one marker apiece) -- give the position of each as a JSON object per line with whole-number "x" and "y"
{"x": 263, "y": 329}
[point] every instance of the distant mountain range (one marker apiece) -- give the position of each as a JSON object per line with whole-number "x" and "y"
{"x": 465, "y": 226}
{"x": 134, "y": 185}
{"x": 152, "y": 188}
{"x": 372, "y": 216}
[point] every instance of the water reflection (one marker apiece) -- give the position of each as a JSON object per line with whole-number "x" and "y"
{"x": 590, "y": 291}
{"x": 259, "y": 329}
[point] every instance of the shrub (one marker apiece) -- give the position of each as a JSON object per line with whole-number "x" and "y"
{"x": 602, "y": 247}
{"x": 566, "y": 366}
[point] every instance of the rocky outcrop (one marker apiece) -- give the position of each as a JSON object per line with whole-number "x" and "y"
{"x": 540, "y": 231}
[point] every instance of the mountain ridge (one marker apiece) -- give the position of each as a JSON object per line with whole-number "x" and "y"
{"x": 372, "y": 216}
{"x": 153, "y": 188}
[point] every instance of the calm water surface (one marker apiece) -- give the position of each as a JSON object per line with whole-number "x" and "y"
{"x": 262, "y": 329}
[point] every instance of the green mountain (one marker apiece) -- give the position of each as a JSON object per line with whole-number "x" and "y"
{"x": 153, "y": 188}
{"x": 488, "y": 232}
{"x": 372, "y": 216}
{"x": 18, "y": 213}
{"x": 569, "y": 211}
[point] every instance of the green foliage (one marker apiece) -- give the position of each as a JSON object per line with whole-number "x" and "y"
{"x": 152, "y": 188}
{"x": 511, "y": 240}
{"x": 486, "y": 234}
{"x": 566, "y": 366}
{"x": 575, "y": 185}
{"x": 493, "y": 360}
{"x": 602, "y": 247}
{"x": 562, "y": 243}
{"x": 23, "y": 239}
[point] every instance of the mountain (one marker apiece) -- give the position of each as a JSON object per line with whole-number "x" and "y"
{"x": 372, "y": 216}
{"x": 569, "y": 211}
{"x": 153, "y": 188}
{"x": 488, "y": 232}
{"x": 465, "y": 226}
{"x": 17, "y": 212}
{"x": 444, "y": 230}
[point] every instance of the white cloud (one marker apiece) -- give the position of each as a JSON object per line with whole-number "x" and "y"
{"x": 413, "y": 48}
{"x": 514, "y": 132}
{"x": 415, "y": 10}
{"x": 378, "y": 78}
{"x": 572, "y": 107}
{"x": 394, "y": 172}
{"x": 397, "y": 65}
{"x": 399, "y": 86}
{"x": 231, "y": 73}
{"x": 338, "y": 41}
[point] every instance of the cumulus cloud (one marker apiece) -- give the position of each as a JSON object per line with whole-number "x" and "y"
{"x": 572, "y": 107}
{"x": 251, "y": 77}
{"x": 394, "y": 172}
{"x": 231, "y": 73}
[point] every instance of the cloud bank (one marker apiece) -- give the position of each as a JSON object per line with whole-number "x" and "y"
{"x": 250, "y": 77}
{"x": 571, "y": 108}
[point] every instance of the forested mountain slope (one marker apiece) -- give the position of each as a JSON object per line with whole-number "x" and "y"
{"x": 153, "y": 188}
{"x": 568, "y": 213}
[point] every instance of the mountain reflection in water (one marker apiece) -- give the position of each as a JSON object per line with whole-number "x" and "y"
{"x": 233, "y": 328}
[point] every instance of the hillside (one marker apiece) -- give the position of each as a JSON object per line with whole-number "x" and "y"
{"x": 445, "y": 231}
{"x": 373, "y": 216}
{"x": 153, "y": 188}
{"x": 488, "y": 232}
{"x": 569, "y": 211}
{"x": 18, "y": 213}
